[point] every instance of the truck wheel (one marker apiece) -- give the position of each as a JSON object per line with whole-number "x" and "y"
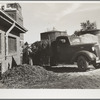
{"x": 82, "y": 63}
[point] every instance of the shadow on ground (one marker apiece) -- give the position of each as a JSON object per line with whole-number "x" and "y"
{"x": 63, "y": 69}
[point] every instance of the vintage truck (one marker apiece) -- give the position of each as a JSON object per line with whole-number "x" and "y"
{"x": 65, "y": 50}
{"x": 68, "y": 51}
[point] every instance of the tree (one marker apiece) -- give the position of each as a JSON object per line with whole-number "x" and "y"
{"x": 88, "y": 26}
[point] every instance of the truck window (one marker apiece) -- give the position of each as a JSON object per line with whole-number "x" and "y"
{"x": 62, "y": 40}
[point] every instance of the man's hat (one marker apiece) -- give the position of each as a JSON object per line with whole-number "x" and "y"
{"x": 26, "y": 43}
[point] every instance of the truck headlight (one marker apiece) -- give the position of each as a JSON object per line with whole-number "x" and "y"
{"x": 93, "y": 48}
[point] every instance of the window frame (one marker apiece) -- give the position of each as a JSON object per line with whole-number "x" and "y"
{"x": 14, "y": 50}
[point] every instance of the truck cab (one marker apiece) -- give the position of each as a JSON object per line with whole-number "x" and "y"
{"x": 68, "y": 51}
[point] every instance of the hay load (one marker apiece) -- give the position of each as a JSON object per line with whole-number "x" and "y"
{"x": 40, "y": 51}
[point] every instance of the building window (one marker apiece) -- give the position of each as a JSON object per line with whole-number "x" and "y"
{"x": 12, "y": 46}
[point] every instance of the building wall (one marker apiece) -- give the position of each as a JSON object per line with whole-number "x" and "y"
{"x": 21, "y": 39}
{"x": 89, "y": 38}
{"x": 15, "y": 15}
{"x": 16, "y": 55}
{"x": 98, "y": 35}
{"x": 2, "y": 54}
{"x": 6, "y": 62}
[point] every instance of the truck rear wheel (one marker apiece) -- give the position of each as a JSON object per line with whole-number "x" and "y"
{"x": 82, "y": 63}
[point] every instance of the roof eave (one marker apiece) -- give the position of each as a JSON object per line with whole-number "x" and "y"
{"x": 20, "y": 27}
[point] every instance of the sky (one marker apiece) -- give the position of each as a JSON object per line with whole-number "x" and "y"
{"x": 41, "y": 17}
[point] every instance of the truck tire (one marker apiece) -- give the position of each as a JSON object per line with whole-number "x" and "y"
{"x": 82, "y": 63}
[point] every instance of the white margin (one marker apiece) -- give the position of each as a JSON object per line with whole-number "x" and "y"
{"x": 50, "y": 93}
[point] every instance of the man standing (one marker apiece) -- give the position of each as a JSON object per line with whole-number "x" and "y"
{"x": 27, "y": 54}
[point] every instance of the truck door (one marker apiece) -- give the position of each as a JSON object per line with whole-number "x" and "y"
{"x": 63, "y": 51}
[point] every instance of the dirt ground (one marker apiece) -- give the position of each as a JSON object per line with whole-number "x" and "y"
{"x": 57, "y": 77}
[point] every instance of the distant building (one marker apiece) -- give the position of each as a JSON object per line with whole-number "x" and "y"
{"x": 52, "y": 35}
{"x": 10, "y": 31}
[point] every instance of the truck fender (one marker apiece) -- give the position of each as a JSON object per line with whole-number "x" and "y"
{"x": 90, "y": 56}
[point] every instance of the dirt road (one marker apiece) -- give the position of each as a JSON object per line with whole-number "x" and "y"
{"x": 72, "y": 78}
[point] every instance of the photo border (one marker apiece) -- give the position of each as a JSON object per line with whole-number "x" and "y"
{"x": 18, "y": 94}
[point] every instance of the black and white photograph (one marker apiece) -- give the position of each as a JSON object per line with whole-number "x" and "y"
{"x": 49, "y": 45}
